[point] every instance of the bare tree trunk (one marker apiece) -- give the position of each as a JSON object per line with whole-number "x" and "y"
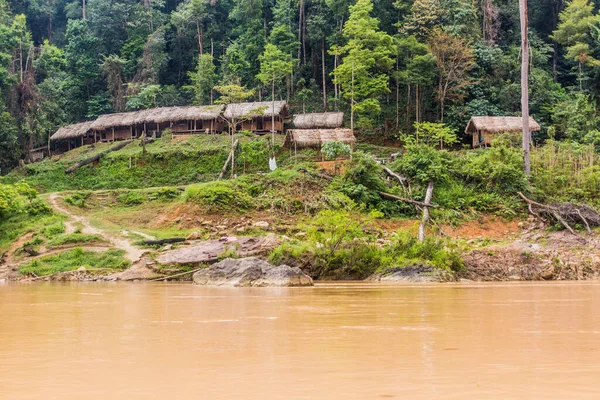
{"x": 300, "y": 30}
{"x": 525, "y": 85}
{"x": 323, "y": 74}
{"x": 199, "y": 29}
{"x": 428, "y": 196}
{"x": 352, "y": 103}
{"x": 83, "y": 9}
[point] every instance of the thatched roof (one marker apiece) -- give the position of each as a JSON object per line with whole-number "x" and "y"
{"x": 157, "y": 115}
{"x": 72, "y": 131}
{"x": 319, "y": 120}
{"x": 499, "y": 124}
{"x": 316, "y": 137}
{"x": 256, "y": 109}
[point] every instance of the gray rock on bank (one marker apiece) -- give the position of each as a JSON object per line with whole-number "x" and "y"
{"x": 251, "y": 272}
{"x": 413, "y": 274}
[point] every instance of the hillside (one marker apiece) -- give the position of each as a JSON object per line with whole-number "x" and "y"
{"x": 332, "y": 225}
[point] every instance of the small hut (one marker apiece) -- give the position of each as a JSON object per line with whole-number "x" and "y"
{"x": 319, "y": 120}
{"x": 257, "y": 117}
{"x": 485, "y": 129}
{"x": 191, "y": 119}
{"x": 71, "y": 136}
{"x": 300, "y": 138}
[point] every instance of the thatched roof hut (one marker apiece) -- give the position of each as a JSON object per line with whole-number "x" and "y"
{"x": 316, "y": 137}
{"x": 257, "y": 109}
{"x": 483, "y": 129}
{"x": 158, "y": 115}
{"x": 319, "y": 120}
{"x": 72, "y": 131}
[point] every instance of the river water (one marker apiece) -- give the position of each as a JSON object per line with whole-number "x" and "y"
{"x": 333, "y": 341}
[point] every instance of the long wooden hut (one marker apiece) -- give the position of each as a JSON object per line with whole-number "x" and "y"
{"x": 485, "y": 129}
{"x": 190, "y": 119}
{"x": 300, "y": 138}
{"x": 71, "y": 136}
{"x": 257, "y": 117}
{"x": 326, "y": 120}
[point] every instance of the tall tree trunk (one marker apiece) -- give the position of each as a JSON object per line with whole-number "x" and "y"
{"x": 273, "y": 113}
{"x": 300, "y": 30}
{"x": 199, "y": 29}
{"x": 83, "y": 9}
{"x": 525, "y": 85}
{"x": 352, "y": 103}
{"x": 323, "y": 74}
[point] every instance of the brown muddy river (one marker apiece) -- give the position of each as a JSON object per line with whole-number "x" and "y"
{"x": 347, "y": 341}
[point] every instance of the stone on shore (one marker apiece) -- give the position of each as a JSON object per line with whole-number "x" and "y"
{"x": 251, "y": 272}
{"x": 413, "y": 274}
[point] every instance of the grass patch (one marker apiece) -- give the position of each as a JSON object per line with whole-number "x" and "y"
{"x": 110, "y": 260}
{"x": 75, "y": 238}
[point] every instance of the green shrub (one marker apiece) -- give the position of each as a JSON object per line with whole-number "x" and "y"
{"x": 220, "y": 195}
{"x": 132, "y": 198}
{"x": 78, "y": 199}
{"x": 74, "y": 238}
{"x": 53, "y": 230}
{"x": 333, "y": 150}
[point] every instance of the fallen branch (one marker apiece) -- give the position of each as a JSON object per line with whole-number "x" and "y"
{"x": 415, "y": 202}
{"x": 428, "y": 196}
{"x": 162, "y": 278}
{"x": 163, "y": 241}
{"x": 224, "y": 169}
{"x": 96, "y": 157}
{"x": 561, "y": 213}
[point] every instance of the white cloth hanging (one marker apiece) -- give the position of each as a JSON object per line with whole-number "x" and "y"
{"x": 272, "y": 163}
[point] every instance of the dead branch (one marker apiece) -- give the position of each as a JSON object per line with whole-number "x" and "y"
{"x": 224, "y": 169}
{"x": 415, "y": 202}
{"x": 163, "y": 241}
{"x": 403, "y": 180}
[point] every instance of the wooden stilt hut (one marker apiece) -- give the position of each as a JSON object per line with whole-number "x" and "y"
{"x": 257, "y": 117}
{"x": 71, "y": 136}
{"x": 180, "y": 120}
{"x": 485, "y": 129}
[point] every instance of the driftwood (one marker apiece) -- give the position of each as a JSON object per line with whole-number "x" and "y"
{"x": 564, "y": 213}
{"x": 415, "y": 202}
{"x": 428, "y": 196}
{"x": 224, "y": 169}
{"x": 145, "y": 141}
{"x": 163, "y": 241}
{"x": 96, "y": 157}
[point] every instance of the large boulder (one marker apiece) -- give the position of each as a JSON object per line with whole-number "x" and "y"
{"x": 251, "y": 272}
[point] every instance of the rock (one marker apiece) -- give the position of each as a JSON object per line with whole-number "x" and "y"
{"x": 81, "y": 269}
{"x": 240, "y": 229}
{"x": 301, "y": 234}
{"x": 210, "y": 250}
{"x": 413, "y": 273}
{"x": 251, "y": 272}
{"x": 194, "y": 236}
{"x": 261, "y": 224}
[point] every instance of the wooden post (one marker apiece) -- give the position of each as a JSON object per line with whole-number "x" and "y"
{"x": 426, "y": 206}
{"x": 113, "y": 131}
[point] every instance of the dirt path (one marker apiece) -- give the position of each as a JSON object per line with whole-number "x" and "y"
{"x": 132, "y": 253}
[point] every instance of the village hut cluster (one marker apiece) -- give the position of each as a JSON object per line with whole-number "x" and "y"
{"x": 310, "y": 130}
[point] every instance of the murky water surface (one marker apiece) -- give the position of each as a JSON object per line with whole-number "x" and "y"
{"x": 178, "y": 341}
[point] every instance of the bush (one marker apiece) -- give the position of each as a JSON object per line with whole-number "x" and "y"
{"x": 333, "y": 150}
{"x": 72, "y": 259}
{"x": 219, "y": 195}
{"x": 131, "y": 198}
{"x": 78, "y": 199}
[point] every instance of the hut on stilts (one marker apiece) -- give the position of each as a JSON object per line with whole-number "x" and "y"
{"x": 485, "y": 129}
{"x": 72, "y": 136}
{"x": 257, "y": 117}
{"x": 180, "y": 120}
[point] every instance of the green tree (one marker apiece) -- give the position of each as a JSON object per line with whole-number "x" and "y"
{"x": 575, "y": 32}
{"x": 367, "y": 60}
{"x": 203, "y": 80}
{"x": 274, "y": 65}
